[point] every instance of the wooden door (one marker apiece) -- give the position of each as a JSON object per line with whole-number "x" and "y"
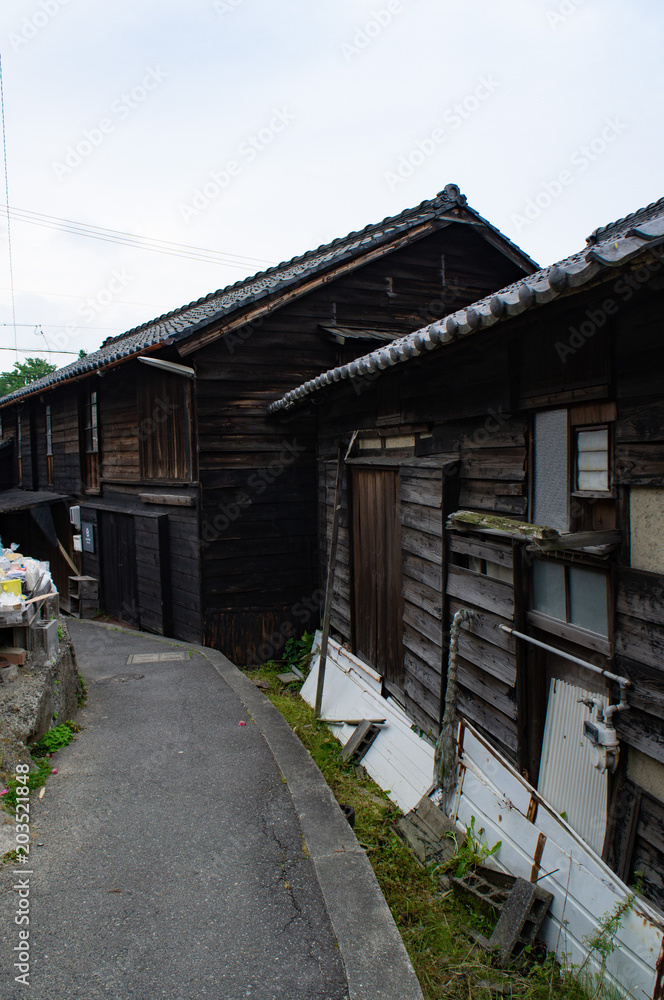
{"x": 377, "y": 601}
{"x": 118, "y": 567}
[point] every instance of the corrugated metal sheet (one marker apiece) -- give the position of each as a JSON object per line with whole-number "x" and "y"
{"x": 568, "y": 780}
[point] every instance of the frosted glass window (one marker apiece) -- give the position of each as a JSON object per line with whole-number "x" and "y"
{"x": 550, "y": 492}
{"x": 549, "y": 589}
{"x": 587, "y": 600}
{"x": 592, "y": 460}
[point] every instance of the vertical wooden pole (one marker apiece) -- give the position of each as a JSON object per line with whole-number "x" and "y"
{"x": 329, "y": 588}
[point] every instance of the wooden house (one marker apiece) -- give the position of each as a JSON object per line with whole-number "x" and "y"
{"x": 509, "y": 459}
{"x": 198, "y": 511}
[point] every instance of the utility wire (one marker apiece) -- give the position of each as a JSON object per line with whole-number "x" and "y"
{"x": 134, "y": 241}
{"x": 9, "y": 231}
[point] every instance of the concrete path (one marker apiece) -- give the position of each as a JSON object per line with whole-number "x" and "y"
{"x": 180, "y": 855}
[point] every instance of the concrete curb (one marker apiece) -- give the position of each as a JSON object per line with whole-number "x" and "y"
{"x": 374, "y": 956}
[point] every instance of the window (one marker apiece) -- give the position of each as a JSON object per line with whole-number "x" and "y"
{"x": 164, "y": 426}
{"x": 91, "y": 440}
{"x": 572, "y": 594}
{"x": 19, "y": 449}
{"x": 571, "y": 488}
{"x": 49, "y": 447}
{"x": 591, "y": 472}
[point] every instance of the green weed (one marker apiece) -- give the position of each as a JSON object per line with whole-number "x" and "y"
{"x": 54, "y": 739}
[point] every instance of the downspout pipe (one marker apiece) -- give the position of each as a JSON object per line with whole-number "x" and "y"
{"x": 445, "y": 757}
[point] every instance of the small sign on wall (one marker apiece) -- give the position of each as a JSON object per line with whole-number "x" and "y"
{"x": 88, "y": 535}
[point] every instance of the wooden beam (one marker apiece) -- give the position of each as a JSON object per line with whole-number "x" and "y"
{"x": 329, "y": 590}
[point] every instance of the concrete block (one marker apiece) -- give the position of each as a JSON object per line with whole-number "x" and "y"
{"x": 364, "y": 735}
{"x": 520, "y": 920}
{"x": 14, "y": 654}
{"x": 8, "y": 674}
{"x": 43, "y": 638}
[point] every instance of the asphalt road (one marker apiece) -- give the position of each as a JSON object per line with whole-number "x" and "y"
{"x": 167, "y": 859}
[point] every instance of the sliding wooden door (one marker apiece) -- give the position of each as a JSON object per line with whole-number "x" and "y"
{"x": 376, "y": 555}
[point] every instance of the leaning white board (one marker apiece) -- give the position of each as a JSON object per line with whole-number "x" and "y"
{"x": 399, "y": 759}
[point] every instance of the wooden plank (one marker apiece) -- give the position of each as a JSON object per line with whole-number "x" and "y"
{"x": 640, "y": 422}
{"x": 423, "y": 597}
{"x": 425, "y": 649}
{"x": 426, "y": 519}
{"x": 486, "y": 626}
{"x": 494, "y": 464}
{"x": 499, "y": 727}
{"x": 640, "y": 464}
{"x": 481, "y": 549}
{"x": 169, "y": 499}
{"x": 640, "y": 640}
{"x": 423, "y": 571}
{"x": 426, "y": 492}
{"x": 480, "y": 591}
{"x": 641, "y": 731}
{"x": 430, "y": 628}
{"x": 496, "y": 695}
{"x": 426, "y": 675}
{"x": 641, "y": 595}
{"x": 422, "y": 544}
{"x": 495, "y": 662}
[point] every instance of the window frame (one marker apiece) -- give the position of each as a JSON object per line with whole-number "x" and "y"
{"x": 49, "y": 444}
{"x": 152, "y": 389}
{"x": 91, "y": 444}
{"x": 566, "y": 629}
{"x": 575, "y": 430}
{"x": 19, "y": 448}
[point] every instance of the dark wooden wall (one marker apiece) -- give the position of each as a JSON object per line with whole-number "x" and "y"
{"x": 261, "y": 560}
{"x": 470, "y": 407}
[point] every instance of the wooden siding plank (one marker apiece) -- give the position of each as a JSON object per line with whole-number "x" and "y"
{"x": 481, "y": 591}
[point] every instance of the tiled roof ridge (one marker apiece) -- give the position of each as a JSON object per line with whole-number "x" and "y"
{"x": 451, "y": 194}
{"x": 640, "y": 215}
{"x": 533, "y": 290}
{"x": 186, "y": 320}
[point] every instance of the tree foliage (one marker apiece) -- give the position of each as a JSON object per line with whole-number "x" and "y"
{"x": 23, "y": 373}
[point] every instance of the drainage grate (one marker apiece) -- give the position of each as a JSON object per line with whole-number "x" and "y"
{"x": 156, "y": 657}
{"x": 119, "y": 679}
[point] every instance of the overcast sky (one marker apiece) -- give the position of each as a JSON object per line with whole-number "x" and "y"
{"x": 260, "y": 130}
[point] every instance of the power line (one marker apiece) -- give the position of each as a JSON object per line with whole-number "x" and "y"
{"x": 132, "y": 240}
{"x": 36, "y": 350}
{"x": 9, "y": 230}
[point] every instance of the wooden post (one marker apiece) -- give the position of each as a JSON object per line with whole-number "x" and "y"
{"x": 329, "y": 588}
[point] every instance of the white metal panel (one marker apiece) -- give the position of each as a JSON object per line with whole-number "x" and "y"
{"x": 398, "y": 760}
{"x": 585, "y": 890}
{"x": 567, "y": 779}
